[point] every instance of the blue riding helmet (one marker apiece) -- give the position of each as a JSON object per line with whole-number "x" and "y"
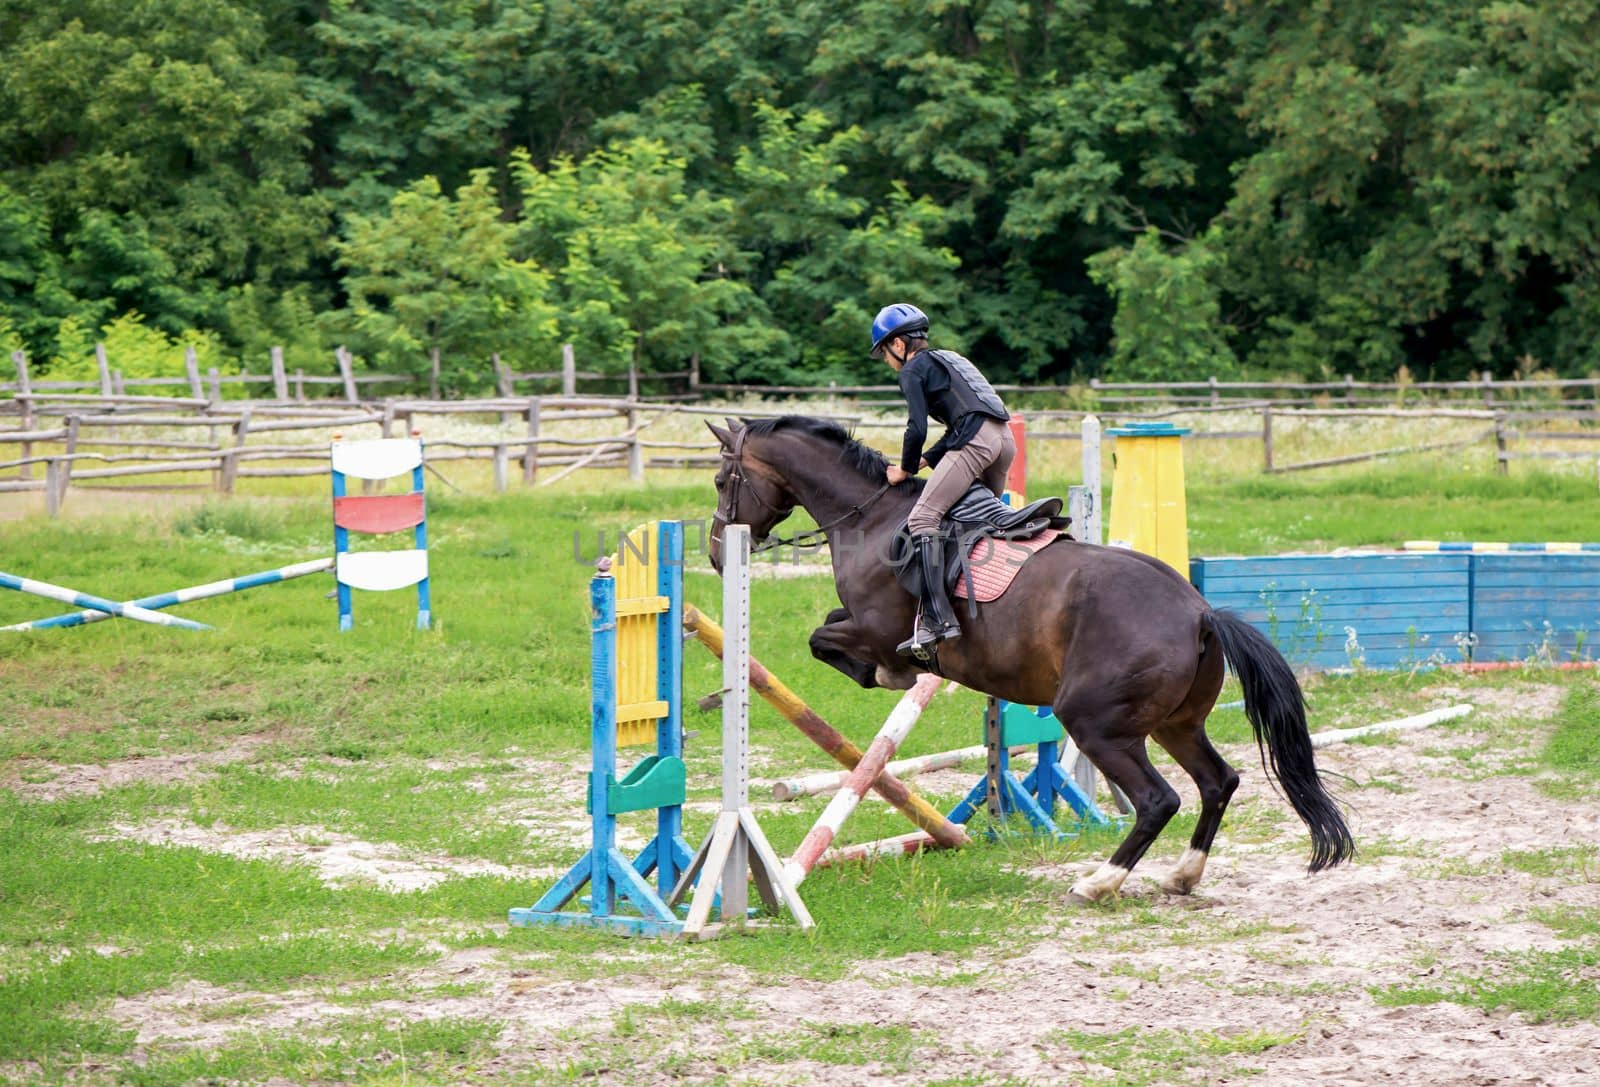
{"x": 896, "y": 320}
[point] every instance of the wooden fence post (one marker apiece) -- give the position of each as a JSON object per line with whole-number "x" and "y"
{"x": 58, "y": 487}
{"x": 1488, "y": 388}
{"x": 342, "y": 356}
{"x": 25, "y": 402}
{"x": 1216, "y": 397}
{"x": 1349, "y": 389}
{"x": 280, "y": 380}
{"x": 191, "y": 367}
{"x": 569, "y": 371}
{"x": 215, "y": 399}
{"x": 530, "y": 452}
{"x": 229, "y": 471}
{"x": 503, "y": 386}
{"x": 1502, "y": 462}
{"x": 635, "y": 449}
{"x": 299, "y": 385}
{"x": 104, "y": 367}
{"x": 1266, "y": 436}
{"x": 500, "y": 473}
{"x": 694, "y": 375}
{"x": 57, "y": 470}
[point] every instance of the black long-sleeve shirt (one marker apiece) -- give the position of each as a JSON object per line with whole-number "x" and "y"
{"x": 925, "y": 385}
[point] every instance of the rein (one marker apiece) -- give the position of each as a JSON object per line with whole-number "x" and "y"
{"x": 738, "y": 481}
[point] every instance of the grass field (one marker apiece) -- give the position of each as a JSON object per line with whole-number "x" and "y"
{"x": 277, "y": 854}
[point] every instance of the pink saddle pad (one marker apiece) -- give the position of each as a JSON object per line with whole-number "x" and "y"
{"x": 995, "y": 564}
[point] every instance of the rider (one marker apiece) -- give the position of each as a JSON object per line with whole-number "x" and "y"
{"x": 977, "y": 445}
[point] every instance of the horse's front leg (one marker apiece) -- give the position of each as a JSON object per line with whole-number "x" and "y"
{"x": 839, "y": 644}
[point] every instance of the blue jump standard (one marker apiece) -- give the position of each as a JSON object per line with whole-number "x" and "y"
{"x": 615, "y": 883}
{"x": 1034, "y": 797}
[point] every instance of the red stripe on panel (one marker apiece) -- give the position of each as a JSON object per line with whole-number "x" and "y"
{"x": 374, "y": 513}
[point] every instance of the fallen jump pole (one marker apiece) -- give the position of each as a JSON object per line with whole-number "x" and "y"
{"x": 873, "y": 762}
{"x": 85, "y": 600}
{"x": 825, "y": 736}
{"x": 902, "y": 845}
{"x": 831, "y": 780}
{"x": 182, "y": 596}
{"x": 1403, "y": 724}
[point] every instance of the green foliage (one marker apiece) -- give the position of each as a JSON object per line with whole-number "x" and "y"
{"x": 644, "y": 274}
{"x": 139, "y": 350}
{"x": 438, "y": 275}
{"x": 1363, "y": 186}
{"x": 1168, "y": 325}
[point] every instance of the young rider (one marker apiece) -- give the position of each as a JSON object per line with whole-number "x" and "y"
{"x": 977, "y": 444}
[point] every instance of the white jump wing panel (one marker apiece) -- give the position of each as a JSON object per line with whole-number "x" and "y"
{"x": 380, "y": 571}
{"x": 378, "y": 458}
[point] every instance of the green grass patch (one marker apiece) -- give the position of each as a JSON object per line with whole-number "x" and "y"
{"x": 1555, "y": 861}
{"x": 1541, "y": 985}
{"x": 1574, "y": 748}
{"x": 467, "y": 741}
{"x": 438, "y": 1051}
{"x": 1138, "y": 1056}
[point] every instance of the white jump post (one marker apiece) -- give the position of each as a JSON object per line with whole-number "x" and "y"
{"x": 873, "y": 761}
{"x": 736, "y": 849}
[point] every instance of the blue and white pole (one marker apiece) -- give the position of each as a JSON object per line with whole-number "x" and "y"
{"x": 181, "y": 596}
{"x": 84, "y": 600}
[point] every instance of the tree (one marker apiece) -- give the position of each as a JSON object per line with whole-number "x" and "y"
{"x": 1168, "y": 323}
{"x": 643, "y": 271}
{"x": 163, "y": 144}
{"x": 1425, "y": 188}
{"x": 437, "y": 274}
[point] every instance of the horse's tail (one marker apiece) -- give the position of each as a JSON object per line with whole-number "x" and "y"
{"x": 1277, "y": 713}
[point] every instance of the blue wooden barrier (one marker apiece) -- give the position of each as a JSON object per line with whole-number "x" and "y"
{"x": 1392, "y": 610}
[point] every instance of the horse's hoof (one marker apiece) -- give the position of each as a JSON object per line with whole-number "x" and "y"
{"x": 1176, "y": 886}
{"x": 1075, "y": 899}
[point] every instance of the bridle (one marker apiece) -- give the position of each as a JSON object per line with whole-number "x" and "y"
{"x": 738, "y": 479}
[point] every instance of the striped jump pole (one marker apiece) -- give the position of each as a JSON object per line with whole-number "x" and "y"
{"x": 902, "y": 845}
{"x": 825, "y": 736}
{"x": 831, "y": 780}
{"x": 873, "y": 762}
{"x": 84, "y": 600}
{"x": 183, "y": 596}
{"x": 1554, "y": 548}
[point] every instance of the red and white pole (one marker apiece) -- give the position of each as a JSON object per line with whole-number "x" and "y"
{"x": 873, "y": 761}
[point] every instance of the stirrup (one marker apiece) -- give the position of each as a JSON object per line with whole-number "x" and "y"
{"x": 923, "y": 641}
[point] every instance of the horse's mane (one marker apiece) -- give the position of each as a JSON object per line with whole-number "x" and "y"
{"x": 863, "y": 459}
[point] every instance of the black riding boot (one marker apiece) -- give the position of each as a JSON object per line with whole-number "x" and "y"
{"x": 936, "y": 620}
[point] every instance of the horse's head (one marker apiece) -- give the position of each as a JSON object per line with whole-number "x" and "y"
{"x": 750, "y": 491}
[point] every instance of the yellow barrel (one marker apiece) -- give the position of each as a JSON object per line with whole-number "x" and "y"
{"x": 1147, "y": 503}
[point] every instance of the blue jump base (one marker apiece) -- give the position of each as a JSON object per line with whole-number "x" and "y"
{"x": 1404, "y": 610}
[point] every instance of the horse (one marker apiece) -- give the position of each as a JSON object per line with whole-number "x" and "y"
{"x": 1117, "y": 643}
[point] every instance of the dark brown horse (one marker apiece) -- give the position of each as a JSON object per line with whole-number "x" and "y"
{"x": 1117, "y": 643}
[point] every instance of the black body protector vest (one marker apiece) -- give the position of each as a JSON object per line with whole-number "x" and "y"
{"x": 969, "y": 392}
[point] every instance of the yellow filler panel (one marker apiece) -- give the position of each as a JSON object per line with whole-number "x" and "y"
{"x": 636, "y": 568}
{"x": 1147, "y": 503}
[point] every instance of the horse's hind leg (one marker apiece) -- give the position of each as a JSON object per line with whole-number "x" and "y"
{"x": 1115, "y": 745}
{"x": 1185, "y": 740}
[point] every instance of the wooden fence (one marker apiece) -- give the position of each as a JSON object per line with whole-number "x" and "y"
{"x": 110, "y": 434}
